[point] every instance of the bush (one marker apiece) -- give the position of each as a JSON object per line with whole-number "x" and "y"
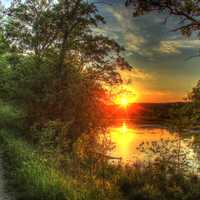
{"x": 146, "y": 183}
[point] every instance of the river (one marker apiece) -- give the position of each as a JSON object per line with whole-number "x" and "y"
{"x": 127, "y": 137}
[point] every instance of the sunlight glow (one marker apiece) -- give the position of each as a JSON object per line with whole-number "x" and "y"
{"x": 124, "y": 102}
{"x": 122, "y": 137}
{"x": 124, "y": 128}
{"x": 127, "y": 139}
{"x": 124, "y": 96}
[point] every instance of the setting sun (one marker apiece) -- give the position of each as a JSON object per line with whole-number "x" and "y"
{"x": 124, "y": 102}
{"x": 124, "y": 95}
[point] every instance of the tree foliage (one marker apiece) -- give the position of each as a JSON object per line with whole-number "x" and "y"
{"x": 59, "y": 27}
{"x": 54, "y": 65}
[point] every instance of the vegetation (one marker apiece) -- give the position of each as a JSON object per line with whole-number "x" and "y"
{"x": 33, "y": 176}
{"x": 53, "y": 69}
{"x": 53, "y": 66}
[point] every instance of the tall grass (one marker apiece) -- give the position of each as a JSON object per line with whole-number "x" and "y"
{"x": 10, "y": 116}
{"x": 32, "y": 177}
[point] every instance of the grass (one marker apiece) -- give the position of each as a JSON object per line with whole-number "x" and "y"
{"x": 10, "y": 116}
{"x": 30, "y": 175}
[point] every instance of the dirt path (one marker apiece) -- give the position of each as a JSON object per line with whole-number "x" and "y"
{"x": 3, "y": 194}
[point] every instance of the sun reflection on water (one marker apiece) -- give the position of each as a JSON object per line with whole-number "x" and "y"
{"x": 124, "y": 128}
{"x": 123, "y": 138}
{"x": 127, "y": 139}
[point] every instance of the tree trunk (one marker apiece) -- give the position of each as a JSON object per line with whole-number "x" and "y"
{"x": 62, "y": 54}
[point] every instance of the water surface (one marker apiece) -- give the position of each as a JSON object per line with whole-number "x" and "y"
{"x": 127, "y": 137}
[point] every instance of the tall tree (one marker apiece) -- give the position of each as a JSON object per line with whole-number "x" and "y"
{"x": 64, "y": 27}
{"x": 62, "y": 64}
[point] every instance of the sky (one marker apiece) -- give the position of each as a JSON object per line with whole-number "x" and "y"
{"x": 6, "y": 2}
{"x": 162, "y": 68}
{"x": 161, "y": 71}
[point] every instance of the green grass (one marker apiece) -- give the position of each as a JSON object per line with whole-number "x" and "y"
{"x": 10, "y": 116}
{"x": 32, "y": 177}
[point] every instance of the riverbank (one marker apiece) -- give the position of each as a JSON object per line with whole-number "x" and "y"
{"x": 31, "y": 177}
{"x": 4, "y": 195}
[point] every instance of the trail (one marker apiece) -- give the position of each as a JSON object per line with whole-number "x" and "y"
{"x": 3, "y": 194}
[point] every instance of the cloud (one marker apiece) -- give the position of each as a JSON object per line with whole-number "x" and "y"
{"x": 141, "y": 74}
{"x": 134, "y": 75}
{"x": 117, "y": 14}
{"x": 128, "y": 33}
{"x": 175, "y": 46}
{"x": 133, "y": 42}
{"x": 192, "y": 44}
{"x": 169, "y": 47}
{"x": 159, "y": 51}
{"x": 120, "y": 14}
{"x": 143, "y": 83}
{"x": 105, "y": 31}
{"x": 144, "y": 37}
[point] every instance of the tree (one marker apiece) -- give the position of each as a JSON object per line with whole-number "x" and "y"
{"x": 64, "y": 27}
{"x": 57, "y": 78}
{"x": 195, "y": 93}
{"x": 186, "y": 10}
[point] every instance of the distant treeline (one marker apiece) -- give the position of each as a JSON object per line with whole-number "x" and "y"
{"x": 159, "y": 113}
{"x": 154, "y": 112}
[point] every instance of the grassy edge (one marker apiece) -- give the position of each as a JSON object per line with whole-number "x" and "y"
{"x": 30, "y": 175}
